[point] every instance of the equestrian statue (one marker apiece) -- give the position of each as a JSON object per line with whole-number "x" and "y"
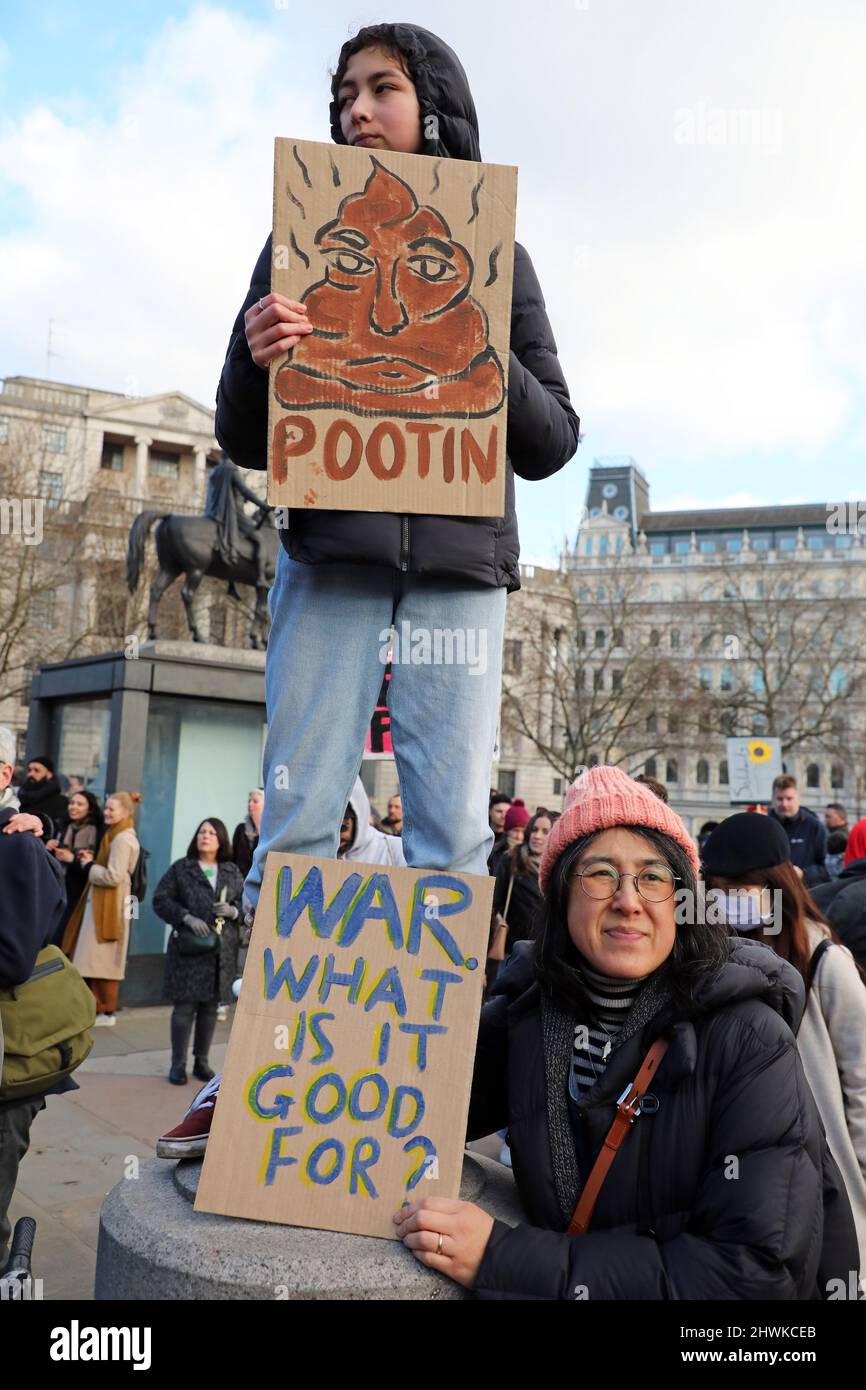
{"x": 225, "y": 543}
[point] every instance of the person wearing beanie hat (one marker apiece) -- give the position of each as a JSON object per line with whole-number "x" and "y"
{"x": 516, "y": 817}
{"x": 41, "y": 794}
{"x": 747, "y": 862}
{"x": 621, "y": 959}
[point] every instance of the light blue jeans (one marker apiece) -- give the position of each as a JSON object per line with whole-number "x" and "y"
{"x": 329, "y": 631}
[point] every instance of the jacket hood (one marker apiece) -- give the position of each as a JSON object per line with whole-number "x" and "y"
{"x": 371, "y": 846}
{"x": 443, "y": 93}
{"x": 755, "y": 971}
{"x": 752, "y": 971}
{"x": 364, "y": 831}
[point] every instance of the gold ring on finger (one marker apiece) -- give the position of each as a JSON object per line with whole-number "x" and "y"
{"x": 439, "y": 1243}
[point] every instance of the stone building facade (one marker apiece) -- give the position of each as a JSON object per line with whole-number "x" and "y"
{"x": 713, "y": 590}
{"x": 92, "y": 460}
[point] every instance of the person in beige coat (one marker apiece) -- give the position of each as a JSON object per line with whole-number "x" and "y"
{"x": 763, "y": 895}
{"x": 97, "y": 934}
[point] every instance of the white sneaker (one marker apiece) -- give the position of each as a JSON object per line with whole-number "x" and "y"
{"x": 222, "y": 1013}
{"x": 104, "y": 1021}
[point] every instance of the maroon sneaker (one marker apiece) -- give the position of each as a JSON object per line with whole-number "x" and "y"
{"x": 189, "y": 1138}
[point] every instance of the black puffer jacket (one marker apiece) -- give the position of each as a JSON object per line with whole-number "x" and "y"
{"x": 727, "y": 1191}
{"x": 542, "y": 425}
{"x": 843, "y": 903}
{"x": 808, "y": 839}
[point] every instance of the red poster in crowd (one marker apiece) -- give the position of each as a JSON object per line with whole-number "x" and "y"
{"x": 378, "y": 741}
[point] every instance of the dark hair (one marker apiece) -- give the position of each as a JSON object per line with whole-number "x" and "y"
{"x": 518, "y": 854}
{"x": 225, "y": 848}
{"x": 382, "y": 36}
{"x": 837, "y": 841}
{"x": 94, "y": 810}
{"x": 836, "y": 806}
{"x": 657, "y": 788}
{"x": 792, "y": 942}
{"x": 698, "y": 949}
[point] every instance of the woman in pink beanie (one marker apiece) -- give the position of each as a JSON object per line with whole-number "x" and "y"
{"x": 625, "y": 978}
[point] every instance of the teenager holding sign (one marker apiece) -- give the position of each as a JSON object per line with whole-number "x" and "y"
{"x": 345, "y": 577}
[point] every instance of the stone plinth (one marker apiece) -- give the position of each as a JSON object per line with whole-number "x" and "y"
{"x": 153, "y": 1245}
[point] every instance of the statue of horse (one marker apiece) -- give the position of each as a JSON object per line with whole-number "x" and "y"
{"x": 188, "y": 545}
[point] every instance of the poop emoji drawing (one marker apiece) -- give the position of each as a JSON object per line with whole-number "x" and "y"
{"x": 395, "y": 329}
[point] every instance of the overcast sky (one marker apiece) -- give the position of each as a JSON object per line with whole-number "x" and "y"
{"x": 691, "y": 190}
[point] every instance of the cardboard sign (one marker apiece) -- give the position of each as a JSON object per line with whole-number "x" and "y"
{"x": 397, "y": 401}
{"x": 346, "y": 1082}
{"x": 753, "y": 764}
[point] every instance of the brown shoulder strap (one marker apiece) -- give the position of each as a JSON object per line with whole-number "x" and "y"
{"x": 628, "y": 1107}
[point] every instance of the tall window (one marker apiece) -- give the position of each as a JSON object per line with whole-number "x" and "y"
{"x": 673, "y": 723}
{"x": 512, "y": 658}
{"x": 813, "y": 775}
{"x": 650, "y": 768}
{"x": 616, "y": 680}
{"x": 599, "y": 637}
{"x": 164, "y": 464}
{"x": 54, "y": 439}
{"x": 4, "y": 428}
{"x": 675, "y": 639}
{"x": 703, "y": 774}
{"x": 50, "y": 487}
{"x": 651, "y": 725}
{"x": 723, "y": 772}
{"x": 726, "y": 681}
{"x": 655, "y": 637}
{"x": 837, "y": 777}
{"x": 671, "y": 771}
{"x": 112, "y": 457}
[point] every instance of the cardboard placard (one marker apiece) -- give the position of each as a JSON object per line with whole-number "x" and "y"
{"x": 397, "y": 401}
{"x": 347, "y": 1077}
{"x": 753, "y": 766}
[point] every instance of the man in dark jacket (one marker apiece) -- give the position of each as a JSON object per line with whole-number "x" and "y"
{"x": 41, "y": 795}
{"x": 808, "y": 837}
{"x": 32, "y": 899}
{"x": 843, "y": 901}
{"x": 344, "y": 577}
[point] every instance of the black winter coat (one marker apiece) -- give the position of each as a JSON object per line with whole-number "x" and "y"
{"x": 808, "y": 839}
{"x": 671, "y": 1221}
{"x": 45, "y": 799}
{"x": 525, "y": 904}
{"x": 843, "y": 903}
{"x": 183, "y": 888}
{"x": 542, "y": 425}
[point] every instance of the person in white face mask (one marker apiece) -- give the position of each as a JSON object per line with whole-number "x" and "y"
{"x": 747, "y": 866}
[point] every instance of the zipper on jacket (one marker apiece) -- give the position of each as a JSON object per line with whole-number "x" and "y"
{"x": 404, "y": 543}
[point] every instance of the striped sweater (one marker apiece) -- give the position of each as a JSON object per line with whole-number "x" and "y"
{"x": 611, "y": 1000}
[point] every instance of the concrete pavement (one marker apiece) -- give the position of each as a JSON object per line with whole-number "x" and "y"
{"x": 81, "y": 1144}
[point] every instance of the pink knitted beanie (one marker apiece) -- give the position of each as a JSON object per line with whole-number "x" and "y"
{"x": 603, "y": 797}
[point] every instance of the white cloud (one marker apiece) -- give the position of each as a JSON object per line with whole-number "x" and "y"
{"x": 708, "y": 301}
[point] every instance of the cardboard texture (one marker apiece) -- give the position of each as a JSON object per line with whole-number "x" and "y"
{"x": 347, "y": 1077}
{"x": 397, "y": 401}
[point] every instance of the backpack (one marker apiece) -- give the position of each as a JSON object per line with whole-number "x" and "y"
{"x": 46, "y": 1025}
{"x": 138, "y": 877}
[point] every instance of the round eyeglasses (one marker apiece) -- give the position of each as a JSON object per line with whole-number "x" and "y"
{"x": 654, "y": 885}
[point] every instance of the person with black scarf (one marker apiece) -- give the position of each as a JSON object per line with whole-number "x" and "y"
{"x": 40, "y": 794}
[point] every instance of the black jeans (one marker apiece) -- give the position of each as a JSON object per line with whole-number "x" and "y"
{"x": 15, "y": 1122}
{"x": 182, "y": 1017}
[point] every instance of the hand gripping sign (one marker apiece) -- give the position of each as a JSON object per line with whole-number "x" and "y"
{"x": 397, "y": 401}
{"x": 347, "y": 1078}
